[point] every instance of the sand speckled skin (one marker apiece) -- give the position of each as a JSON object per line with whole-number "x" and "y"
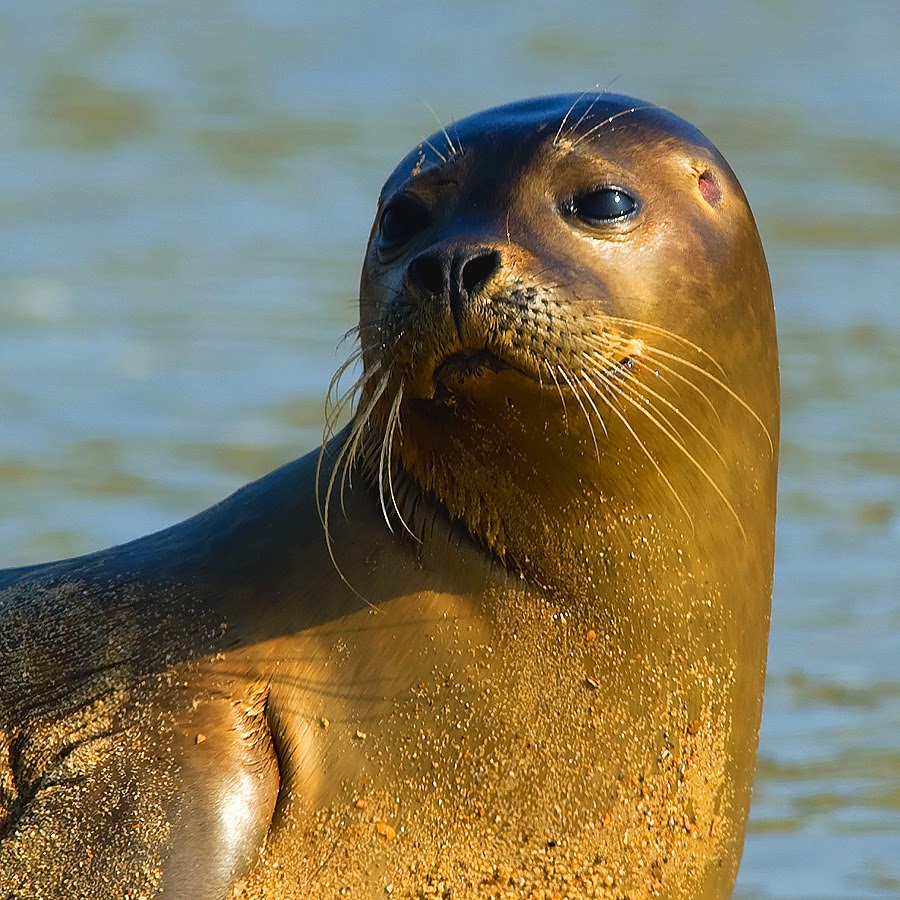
{"x": 527, "y": 658}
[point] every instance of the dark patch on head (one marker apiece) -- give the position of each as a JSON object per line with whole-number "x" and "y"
{"x": 709, "y": 188}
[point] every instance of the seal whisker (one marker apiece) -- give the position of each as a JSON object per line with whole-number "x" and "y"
{"x": 675, "y": 438}
{"x": 665, "y": 332}
{"x": 565, "y": 118}
{"x": 360, "y": 433}
{"x": 435, "y": 150}
{"x": 653, "y": 364}
{"x": 355, "y": 330}
{"x": 671, "y": 406}
{"x": 454, "y": 124}
{"x": 647, "y": 350}
{"x": 362, "y": 438}
{"x": 381, "y": 457}
{"x": 330, "y": 422}
{"x": 559, "y": 389}
{"x": 453, "y": 150}
{"x": 590, "y": 400}
{"x": 385, "y": 461}
{"x": 607, "y": 121}
{"x": 718, "y": 381}
{"x": 615, "y": 391}
{"x": 634, "y": 391}
{"x": 355, "y": 439}
{"x": 342, "y": 368}
{"x": 577, "y": 395}
{"x": 348, "y": 398}
{"x": 324, "y": 510}
{"x": 598, "y": 94}
{"x": 362, "y": 328}
{"x": 334, "y": 407}
{"x": 661, "y": 372}
{"x": 343, "y": 460}
{"x": 394, "y": 425}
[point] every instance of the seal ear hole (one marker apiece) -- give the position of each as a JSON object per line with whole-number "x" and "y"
{"x": 709, "y": 188}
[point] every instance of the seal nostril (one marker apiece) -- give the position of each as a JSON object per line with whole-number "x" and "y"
{"x": 464, "y": 272}
{"x": 477, "y": 271}
{"x": 427, "y": 273}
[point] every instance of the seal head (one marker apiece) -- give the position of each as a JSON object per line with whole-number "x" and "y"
{"x": 554, "y": 296}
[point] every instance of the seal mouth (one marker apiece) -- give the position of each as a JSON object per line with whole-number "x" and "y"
{"x": 464, "y": 365}
{"x": 455, "y": 371}
{"x": 469, "y": 364}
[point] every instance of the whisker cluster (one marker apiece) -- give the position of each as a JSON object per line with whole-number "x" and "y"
{"x": 366, "y": 442}
{"x": 606, "y": 377}
{"x": 611, "y": 377}
{"x": 570, "y": 135}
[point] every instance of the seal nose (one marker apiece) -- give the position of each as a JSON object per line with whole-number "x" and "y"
{"x": 453, "y": 274}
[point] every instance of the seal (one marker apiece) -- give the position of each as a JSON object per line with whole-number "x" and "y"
{"x": 504, "y": 634}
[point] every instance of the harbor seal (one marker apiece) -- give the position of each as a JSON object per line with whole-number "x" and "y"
{"x": 504, "y": 634}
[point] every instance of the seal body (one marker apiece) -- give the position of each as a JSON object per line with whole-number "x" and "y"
{"x": 505, "y": 634}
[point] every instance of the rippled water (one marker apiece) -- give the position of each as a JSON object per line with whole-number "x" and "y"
{"x": 185, "y": 194}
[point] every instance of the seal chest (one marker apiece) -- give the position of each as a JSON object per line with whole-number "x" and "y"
{"x": 505, "y": 634}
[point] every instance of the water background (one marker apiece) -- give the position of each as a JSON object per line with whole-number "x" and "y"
{"x": 185, "y": 194}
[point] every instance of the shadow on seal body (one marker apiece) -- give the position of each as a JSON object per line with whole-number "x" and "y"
{"x": 505, "y": 634}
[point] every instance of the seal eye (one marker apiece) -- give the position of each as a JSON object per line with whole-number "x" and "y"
{"x": 401, "y": 220}
{"x": 602, "y": 206}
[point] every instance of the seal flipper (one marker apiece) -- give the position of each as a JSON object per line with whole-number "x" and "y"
{"x": 227, "y": 785}
{"x": 161, "y": 792}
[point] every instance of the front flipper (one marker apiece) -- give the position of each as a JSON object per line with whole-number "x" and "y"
{"x": 227, "y": 785}
{"x": 170, "y": 792}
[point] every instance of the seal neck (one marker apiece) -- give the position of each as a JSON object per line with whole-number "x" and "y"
{"x": 569, "y": 506}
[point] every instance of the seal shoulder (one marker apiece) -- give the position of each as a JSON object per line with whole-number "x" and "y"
{"x": 166, "y": 782}
{"x": 126, "y": 756}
